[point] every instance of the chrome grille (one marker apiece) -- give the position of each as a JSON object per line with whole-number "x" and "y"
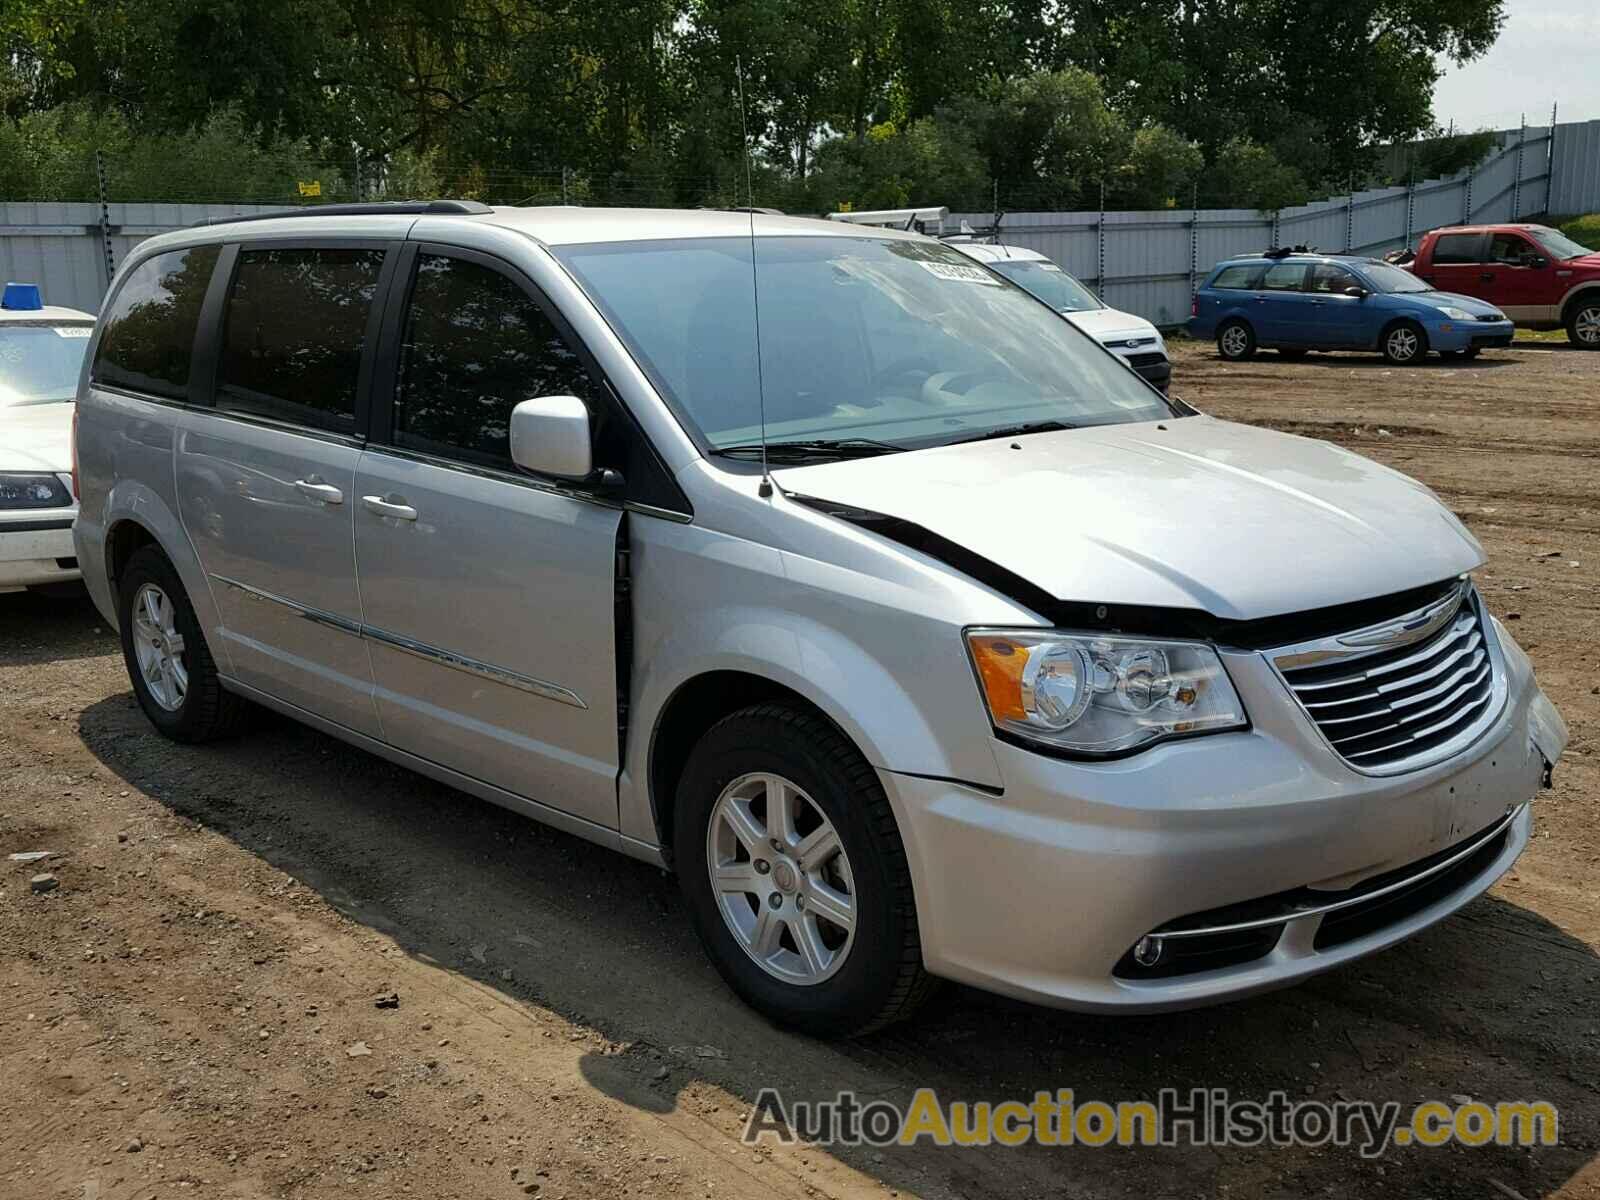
{"x": 1402, "y": 695}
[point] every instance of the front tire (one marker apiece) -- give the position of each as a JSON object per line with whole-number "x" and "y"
{"x": 1236, "y": 341}
{"x": 1583, "y": 324}
{"x": 794, "y": 874}
{"x": 174, "y": 677}
{"x": 1405, "y": 344}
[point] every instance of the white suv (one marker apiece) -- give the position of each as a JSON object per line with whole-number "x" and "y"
{"x": 1133, "y": 338}
{"x": 814, "y": 562}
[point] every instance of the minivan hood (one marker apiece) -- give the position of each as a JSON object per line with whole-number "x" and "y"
{"x": 1190, "y": 513}
{"x": 36, "y": 437}
{"x": 1103, "y": 323}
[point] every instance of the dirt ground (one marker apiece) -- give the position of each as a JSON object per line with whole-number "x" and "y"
{"x": 193, "y": 1011}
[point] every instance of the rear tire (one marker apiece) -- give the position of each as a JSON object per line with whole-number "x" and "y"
{"x": 1583, "y": 324}
{"x": 1236, "y": 341}
{"x": 1405, "y": 344}
{"x": 774, "y": 947}
{"x": 174, "y": 677}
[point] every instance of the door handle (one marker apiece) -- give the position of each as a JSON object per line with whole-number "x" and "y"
{"x": 1487, "y": 276}
{"x": 316, "y": 489}
{"x": 397, "y": 509}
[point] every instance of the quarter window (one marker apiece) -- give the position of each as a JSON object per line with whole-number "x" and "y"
{"x": 293, "y": 333}
{"x": 1240, "y": 275}
{"x": 1284, "y": 277}
{"x": 475, "y": 346}
{"x": 1456, "y": 248}
{"x": 147, "y": 339}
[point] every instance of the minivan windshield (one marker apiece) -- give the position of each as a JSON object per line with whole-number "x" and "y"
{"x": 1049, "y": 283}
{"x": 884, "y": 344}
{"x": 39, "y": 363}
{"x": 1386, "y": 278}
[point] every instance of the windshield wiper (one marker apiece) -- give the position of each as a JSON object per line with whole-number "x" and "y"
{"x": 1014, "y": 431}
{"x": 799, "y": 451}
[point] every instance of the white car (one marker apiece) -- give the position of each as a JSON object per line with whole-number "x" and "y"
{"x": 1134, "y": 338}
{"x": 41, "y": 352}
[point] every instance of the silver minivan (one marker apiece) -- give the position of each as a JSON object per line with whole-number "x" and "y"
{"x": 921, "y": 638}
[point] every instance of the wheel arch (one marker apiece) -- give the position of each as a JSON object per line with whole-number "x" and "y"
{"x": 1583, "y": 292}
{"x": 690, "y": 711}
{"x": 135, "y": 516}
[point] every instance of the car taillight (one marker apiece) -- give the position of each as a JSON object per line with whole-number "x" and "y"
{"x": 1194, "y": 307}
{"x": 75, "y": 493}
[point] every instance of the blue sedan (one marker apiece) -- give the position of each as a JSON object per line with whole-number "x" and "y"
{"x": 1298, "y": 302}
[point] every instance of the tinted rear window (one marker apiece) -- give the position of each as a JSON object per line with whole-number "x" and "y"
{"x": 293, "y": 333}
{"x": 147, "y": 336}
{"x": 1457, "y": 248}
{"x": 1240, "y": 275}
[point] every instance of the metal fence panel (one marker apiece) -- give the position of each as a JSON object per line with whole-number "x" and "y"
{"x": 1575, "y": 169}
{"x": 1143, "y": 262}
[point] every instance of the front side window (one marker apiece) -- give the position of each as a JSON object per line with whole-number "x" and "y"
{"x": 40, "y": 360}
{"x": 1329, "y": 279}
{"x": 1049, "y": 283}
{"x": 147, "y": 335}
{"x": 293, "y": 332}
{"x": 475, "y": 346}
{"x": 1283, "y": 277}
{"x": 1509, "y": 249}
{"x": 1457, "y": 248}
{"x": 901, "y": 341}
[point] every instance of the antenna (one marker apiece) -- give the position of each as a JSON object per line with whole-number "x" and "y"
{"x": 765, "y": 489}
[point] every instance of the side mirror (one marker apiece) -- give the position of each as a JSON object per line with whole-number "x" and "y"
{"x": 1537, "y": 261}
{"x": 550, "y": 436}
{"x": 1360, "y": 293}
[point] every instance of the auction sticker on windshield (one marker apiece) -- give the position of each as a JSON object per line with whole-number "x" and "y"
{"x": 958, "y": 273}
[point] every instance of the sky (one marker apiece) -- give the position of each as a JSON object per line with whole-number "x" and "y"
{"x": 1548, "y": 51}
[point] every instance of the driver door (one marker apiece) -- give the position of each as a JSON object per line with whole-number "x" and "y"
{"x": 488, "y": 595}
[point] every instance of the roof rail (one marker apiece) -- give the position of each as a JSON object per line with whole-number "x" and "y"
{"x": 391, "y": 208}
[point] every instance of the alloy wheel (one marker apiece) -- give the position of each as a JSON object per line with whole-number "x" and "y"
{"x": 1403, "y": 344}
{"x": 782, "y": 880}
{"x": 159, "y": 647}
{"x": 1586, "y": 326}
{"x": 1234, "y": 340}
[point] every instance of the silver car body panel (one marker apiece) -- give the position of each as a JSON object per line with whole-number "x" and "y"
{"x": 487, "y": 623}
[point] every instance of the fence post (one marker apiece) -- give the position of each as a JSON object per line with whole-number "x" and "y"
{"x": 105, "y": 213}
{"x": 1276, "y": 232}
{"x": 1194, "y": 238}
{"x": 563, "y": 185}
{"x": 1516, "y": 184}
{"x": 1550, "y": 162}
{"x": 1350, "y": 217}
{"x": 1411, "y": 202}
{"x": 1466, "y": 202}
{"x": 1100, "y": 238}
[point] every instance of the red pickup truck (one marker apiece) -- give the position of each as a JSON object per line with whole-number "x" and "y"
{"x": 1538, "y": 276}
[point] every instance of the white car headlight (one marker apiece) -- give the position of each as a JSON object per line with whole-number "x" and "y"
{"x": 1098, "y": 695}
{"x": 1458, "y": 314}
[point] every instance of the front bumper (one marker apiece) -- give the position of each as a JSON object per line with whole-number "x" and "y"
{"x": 1450, "y": 336}
{"x": 1040, "y": 892}
{"x": 1152, "y": 365}
{"x": 36, "y": 548}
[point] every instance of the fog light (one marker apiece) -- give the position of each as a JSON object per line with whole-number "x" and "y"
{"x": 1147, "y": 951}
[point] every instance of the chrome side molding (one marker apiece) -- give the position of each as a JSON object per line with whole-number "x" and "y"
{"x": 382, "y": 637}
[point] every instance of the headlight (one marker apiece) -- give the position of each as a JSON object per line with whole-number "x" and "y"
{"x": 1101, "y": 695}
{"x": 1457, "y": 314}
{"x": 33, "y": 491}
